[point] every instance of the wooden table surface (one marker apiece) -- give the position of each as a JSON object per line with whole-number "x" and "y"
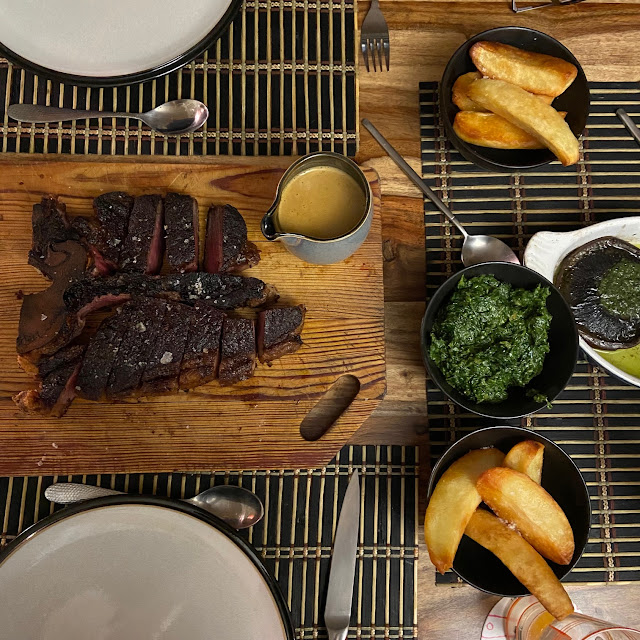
{"x": 605, "y": 37}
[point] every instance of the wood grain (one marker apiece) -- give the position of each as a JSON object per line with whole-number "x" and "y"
{"x": 254, "y": 424}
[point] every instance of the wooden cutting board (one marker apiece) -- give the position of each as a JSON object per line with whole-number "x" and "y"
{"x": 251, "y": 425}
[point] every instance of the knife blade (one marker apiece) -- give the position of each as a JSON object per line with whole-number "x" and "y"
{"x": 337, "y": 612}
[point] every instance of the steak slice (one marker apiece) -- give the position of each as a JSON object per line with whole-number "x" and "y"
{"x": 143, "y": 246}
{"x": 181, "y": 222}
{"x": 278, "y": 332}
{"x": 50, "y": 226}
{"x": 135, "y": 347}
{"x": 162, "y": 372}
{"x": 104, "y": 234}
{"x": 101, "y": 354}
{"x": 45, "y": 325}
{"x": 221, "y": 291}
{"x": 226, "y": 248}
{"x": 202, "y": 350}
{"x": 57, "y": 388}
{"x": 113, "y": 211}
{"x": 238, "y": 350}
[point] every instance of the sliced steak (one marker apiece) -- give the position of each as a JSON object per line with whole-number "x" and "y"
{"x": 113, "y": 211}
{"x": 238, "y": 351}
{"x": 50, "y": 226}
{"x": 135, "y": 348}
{"x": 227, "y": 249}
{"x": 56, "y": 391}
{"x": 143, "y": 247}
{"x": 202, "y": 350}
{"x": 181, "y": 223}
{"x": 101, "y": 354}
{"x": 221, "y": 291}
{"x": 278, "y": 332}
{"x": 162, "y": 372}
{"x": 104, "y": 234}
{"x": 45, "y": 325}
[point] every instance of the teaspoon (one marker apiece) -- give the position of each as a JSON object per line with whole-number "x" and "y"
{"x": 237, "y": 506}
{"x": 171, "y": 118}
{"x": 475, "y": 248}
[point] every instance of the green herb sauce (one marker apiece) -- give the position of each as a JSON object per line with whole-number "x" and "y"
{"x": 491, "y": 336}
{"x": 619, "y": 289}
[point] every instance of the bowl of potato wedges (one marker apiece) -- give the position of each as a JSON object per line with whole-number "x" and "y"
{"x": 510, "y": 513}
{"x": 513, "y": 98}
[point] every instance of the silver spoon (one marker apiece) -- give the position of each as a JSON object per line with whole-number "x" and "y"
{"x": 630, "y": 124}
{"x": 238, "y": 507}
{"x": 170, "y": 118}
{"x": 475, "y": 248}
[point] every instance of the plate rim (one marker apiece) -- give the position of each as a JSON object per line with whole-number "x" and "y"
{"x": 172, "y": 504}
{"x": 136, "y": 77}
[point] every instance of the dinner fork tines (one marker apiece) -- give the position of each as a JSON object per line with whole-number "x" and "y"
{"x": 374, "y": 37}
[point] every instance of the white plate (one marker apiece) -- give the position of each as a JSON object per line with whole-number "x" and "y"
{"x": 134, "y": 572}
{"x": 111, "y": 39}
{"x": 546, "y": 250}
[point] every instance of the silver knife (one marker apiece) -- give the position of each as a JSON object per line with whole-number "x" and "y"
{"x": 337, "y": 612}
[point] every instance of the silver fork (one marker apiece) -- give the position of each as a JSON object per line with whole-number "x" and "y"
{"x": 374, "y": 37}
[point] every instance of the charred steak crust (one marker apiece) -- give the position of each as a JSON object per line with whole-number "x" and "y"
{"x": 181, "y": 223}
{"x": 56, "y": 390}
{"x": 227, "y": 249}
{"x": 164, "y": 359}
{"x": 50, "y": 226}
{"x": 278, "y": 332}
{"x": 202, "y": 350}
{"x": 238, "y": 350}
{"x": 135, "y": 347}
{"x": 143, "y": 246}
{"x": 113, "y": 210}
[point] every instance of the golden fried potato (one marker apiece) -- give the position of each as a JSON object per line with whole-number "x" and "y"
{"x": 535, "y": 72}
{"x": 460, "y": 95}
{"x": 459, "y": 92}
{"x": 452, "y": 503}
{"x": 522, "y": 560}
{"x": 489, "y": 130}
{"x": 526, "y": 457}
{"x": 526, "y": 111}
{"x": 516, "y": 498}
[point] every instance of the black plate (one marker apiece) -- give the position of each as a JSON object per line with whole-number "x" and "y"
{"x": 560, "y": 477}
{"x": 132, "y": 78}
{"x": 176, "y": 505}
{"x": 558, "y": 365}
{"x": 575, "y": 100}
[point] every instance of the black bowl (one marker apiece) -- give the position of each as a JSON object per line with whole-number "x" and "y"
{"x": 558, "y": 365}
{"x": 575, "y": 100}
{"x": 560, "y": 477}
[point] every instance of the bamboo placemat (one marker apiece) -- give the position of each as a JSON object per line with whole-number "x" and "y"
{"x": 597, "y": 418}
{"x": 281, "y": 81}
{"x": 295, "y": 537}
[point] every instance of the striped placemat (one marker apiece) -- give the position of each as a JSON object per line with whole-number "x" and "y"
{"x": 596, "y": 419}
{"x": 295, "y": 537}
{"x": 281, "y": 81}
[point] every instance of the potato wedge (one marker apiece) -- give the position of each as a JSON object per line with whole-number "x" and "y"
{"x": 453, "y": 502}
{"x": 489, "y": 130}
{"x": 522, "y": 560}
{"x": 516, "y": 498}
{"x": 526, "y": 111}
{"x": 535, "y": 72}
{"x": 460, "y": 92}
{"x": 526, "y": 457}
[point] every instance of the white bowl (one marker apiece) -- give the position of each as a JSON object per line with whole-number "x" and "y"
{"x": 546, "y": 250}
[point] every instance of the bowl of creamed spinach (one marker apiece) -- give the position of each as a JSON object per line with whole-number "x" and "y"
{"x": 499, "y": 340}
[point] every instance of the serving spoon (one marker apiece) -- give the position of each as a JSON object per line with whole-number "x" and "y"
{"x": 475, "y": 248}
{"x": 237, "y": 506}
{"x": 171, "y": 118}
